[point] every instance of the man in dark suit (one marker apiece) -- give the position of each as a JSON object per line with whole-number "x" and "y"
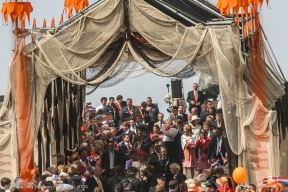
{"x": 125, "y": 147}
{"x": 127, "y": 131}
{"x": 182, "y": 115}
{"x": 113, "y": 111}
{"x": 219, "y": 123}
{"x": 95, "y": 181}
{"x": 140, "y": 144}
{"x": 217, "y": 147}
{"x": 129, "y": 110}
{"x": 195, "y": 98}
{"x": 110, "y": 159}
{"x": 175, "y": 171}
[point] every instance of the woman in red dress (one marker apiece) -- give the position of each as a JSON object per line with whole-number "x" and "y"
{"x": 203, "y": 145}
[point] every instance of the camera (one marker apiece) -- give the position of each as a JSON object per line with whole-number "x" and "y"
{"x": 243, "y": 187}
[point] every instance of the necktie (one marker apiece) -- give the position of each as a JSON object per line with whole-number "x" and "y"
{"x": 218, "y": 146}
{"x": 174, "y": 177}
{"x": 129, "y": 146}
{"x": 99, "y": 183}
{"x": 139, "y": 145}
{"x": 160, "y": 125}
{"x": 195, "y": 96}
{"x": 218, "y": 124}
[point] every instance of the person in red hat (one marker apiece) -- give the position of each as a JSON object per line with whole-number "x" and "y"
{"x": 140, "y": 164}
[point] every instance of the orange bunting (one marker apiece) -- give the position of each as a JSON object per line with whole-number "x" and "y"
{"x": 34, "y": 24}
{"x": 77, "y": 5}
{"x": 16, "y": 10}
{"x": 247, "y": 9}
{"x": 44, "y": 24}
{"x": 52, "y": 23}
{"x": 61, "y": 20}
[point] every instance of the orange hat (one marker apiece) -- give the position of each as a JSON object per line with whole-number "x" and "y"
{"x": 222, "y": 180}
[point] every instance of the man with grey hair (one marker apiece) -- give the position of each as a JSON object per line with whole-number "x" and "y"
{"x": 175, "y": 171}
{"x": 172, "y": 142}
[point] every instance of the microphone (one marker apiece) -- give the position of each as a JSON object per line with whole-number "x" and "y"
{"x": 167, "y": 85}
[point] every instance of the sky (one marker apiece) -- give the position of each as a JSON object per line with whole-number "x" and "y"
{"x": 273, "y": 19}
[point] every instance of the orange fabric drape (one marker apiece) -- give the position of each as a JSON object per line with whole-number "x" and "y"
{"x": 77, "y": 5}
{"x": 21, "y": 99}
{"x": 16, "y": 10}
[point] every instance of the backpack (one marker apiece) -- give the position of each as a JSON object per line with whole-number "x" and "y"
{"x": 128, "y": 185}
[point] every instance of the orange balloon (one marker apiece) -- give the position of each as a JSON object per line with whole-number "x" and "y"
{"x": 239, "y": 175}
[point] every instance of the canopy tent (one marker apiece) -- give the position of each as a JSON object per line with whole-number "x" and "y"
{"x": 123, "y": 39}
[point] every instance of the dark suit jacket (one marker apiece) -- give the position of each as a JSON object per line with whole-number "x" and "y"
{"x": 190, "y": 97}
{"x": 132, "y": 136}
{"x": 213, "y": 148}
{"x": 181, "y": 177}
{"x": 184, "y": 118}
{"x": 109, "y": 110}
{"x": 125, "y": 112}
{"x": 105, "y": 160}
{"x": 216, "y": 125}
{"x": 91, "y": 183}
{"x": 123, "y": 150}
{"x": 144, "y": 146}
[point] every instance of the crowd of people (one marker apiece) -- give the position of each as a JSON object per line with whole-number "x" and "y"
{"x": 129, "y": 148}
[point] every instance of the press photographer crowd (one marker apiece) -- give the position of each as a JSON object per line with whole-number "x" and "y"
{"x": 129, "y": 148}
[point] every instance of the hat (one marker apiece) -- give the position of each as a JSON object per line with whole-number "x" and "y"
{"x": 207, "y": 172}
{"x": 211, "y": 184}
{"x": 46, "y": 173}
{"x": 71, "y": 171}
{"x": 161, "y": 177}
{"x": 142, "y": 126}
{"x": 76, "y": 178}
{"x": 192, "y": 187}
{"x": 140, "y": 153}
{"x": 35, "y": 171}
{"x": 74, "y": 165}
{"x": 46, "y": 183}
{"x": 194, "y": 117}
{"x": 222, "y": 180}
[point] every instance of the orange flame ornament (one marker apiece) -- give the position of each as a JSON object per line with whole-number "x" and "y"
{"x": 44, "y": 24}
{"x": 16, "y": 10}
{"x": 52, "y": 23}
{"x": 78, "y": 5}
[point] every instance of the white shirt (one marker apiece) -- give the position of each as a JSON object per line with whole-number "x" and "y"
{"x": 196, "y": 130}
{"x": 184, "y": 138}
{"x": 99, "y": 181}
{"x": 170, "y": 135}
{"x": 99, "y": 107}
{"x": 133, "y": 129}
{"x": 219, "y": 143}
{"x": 111, "y": 158}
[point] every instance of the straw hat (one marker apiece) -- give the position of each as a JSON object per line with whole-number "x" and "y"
{"x": 222, "y": 181}
{"x": 194, "y": 117}
{"x": 192, "y": 187}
